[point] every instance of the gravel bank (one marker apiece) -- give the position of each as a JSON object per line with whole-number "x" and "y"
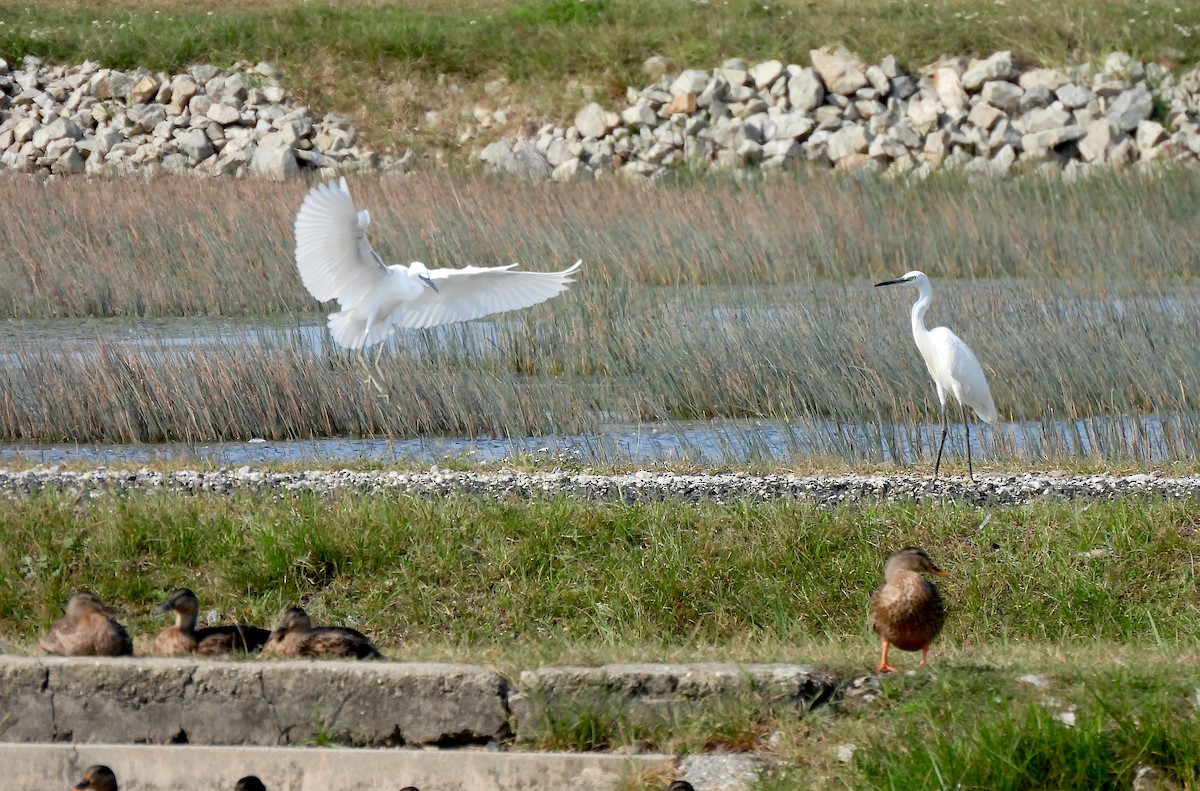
{"x": 631, "y": 487}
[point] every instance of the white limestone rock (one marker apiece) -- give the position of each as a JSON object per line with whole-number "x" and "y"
{"x": 998, "y": 66}
{"x": 1131, "y": 107}
{"x": 840, "y": 73}
{"x": 594, "y": 121}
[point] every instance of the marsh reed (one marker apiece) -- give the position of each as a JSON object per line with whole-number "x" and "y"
{"x": 703, "y": 301}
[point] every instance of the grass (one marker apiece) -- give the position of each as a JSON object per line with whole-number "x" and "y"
{"x": 1110, "y": 634}
{"x": 381, "y": 61}
{"x": 1082, "y": 310}
{"x": 470, "y": 572}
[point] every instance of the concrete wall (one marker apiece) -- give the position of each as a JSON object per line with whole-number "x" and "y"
{"x": 167, "y": 768}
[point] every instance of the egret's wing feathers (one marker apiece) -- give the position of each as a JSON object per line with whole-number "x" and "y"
{"x": 332, "y": 253}
{"x": 474, "y": 292}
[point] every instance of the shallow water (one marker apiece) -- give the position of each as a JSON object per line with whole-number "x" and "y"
{"x": 701, "y": 442}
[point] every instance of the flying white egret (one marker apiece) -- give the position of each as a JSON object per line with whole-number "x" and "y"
{"x": 952, "y": 366}
{"x": 337, "y": 262}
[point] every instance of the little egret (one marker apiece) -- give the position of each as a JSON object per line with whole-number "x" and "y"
{"x": 951, "y": 364}
{"x": 337, "y": 262}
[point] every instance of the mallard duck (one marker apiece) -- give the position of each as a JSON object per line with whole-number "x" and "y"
{"x": 249, "y": 783}
{"x": 89, "y": 629}
{"x": 97, "y": 778}
{"x": 296, "y": 636}
{"x": 907, "y": 611}
{"x": 185, "y": 638}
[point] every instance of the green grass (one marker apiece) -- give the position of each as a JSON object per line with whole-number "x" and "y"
{"x": 339, "y": 55}
{"x": 516, "y": 585}
{"x": 464, "y": 571}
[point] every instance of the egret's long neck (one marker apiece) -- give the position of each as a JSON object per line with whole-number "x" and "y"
{"x": 918, "y": 314}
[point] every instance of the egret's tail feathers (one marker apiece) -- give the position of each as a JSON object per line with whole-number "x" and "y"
{"x": 347, "y": 328}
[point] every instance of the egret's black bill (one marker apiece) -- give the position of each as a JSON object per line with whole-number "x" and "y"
{"x": 425, "y": 279}
{"x": 891, "y": 282}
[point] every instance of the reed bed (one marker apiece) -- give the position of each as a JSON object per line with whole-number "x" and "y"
{"x": 749, "y": 301}
{"x": 183, "y": 246}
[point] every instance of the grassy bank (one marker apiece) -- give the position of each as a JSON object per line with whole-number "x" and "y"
{"x": 1098, "y": 602}
{"x": 750, "y": 302}
{"x": 380, "y": 61}
{"x": 473, "y": 573}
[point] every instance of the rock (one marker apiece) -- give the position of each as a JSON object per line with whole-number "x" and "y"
{"x": 791, "y": 126}
{"x": 1100, "y": 138}
{"x": 1149, "y": 135}
{"x": 690, "y": 81}
{"x": 1002, "y": 95}
{"x": 24, "y": 129}
{"x": 731, "y": 772}
{"x": 984, "y": 116}
{"x": 276, "y": 163}
{"x": 144, "y": 90}
{"x": 949, "y": 90}
{"x": 1048, "y": 139}
{"x": 766, "y": 73}
{"x": 223, "y": 114}
{"x": 1039, "y": 120}
{"x": 839, "y": 73}
{"x": 530, "y": 162}
{"x": 57, "y": 129}
{"x": 593, "y": 121}
{"x": 1050, "y": 79}
{"x": 999, "y": 66}
{"x": 805, "y": 90}
{"x": 641, "y": 114}
{"x": 572, "y": 170}
{"x": 682, "y": 103}
{"x": 1074, "y": 96}
{"x": 1130, "y": 108}
{"x": 846, "y": 141}
{"x": 196, "y": 145}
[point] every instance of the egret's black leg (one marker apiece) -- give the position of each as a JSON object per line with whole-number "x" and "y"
{"x": 941, "y": 445}
{"x": 967, "y": 428}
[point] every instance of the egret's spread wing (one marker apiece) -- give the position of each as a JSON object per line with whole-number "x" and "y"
{"x": 332, "y": 253}
{"x": 473, "y": 292}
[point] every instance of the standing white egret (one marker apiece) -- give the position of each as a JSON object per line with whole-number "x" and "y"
{"x": 951, "y": 364}
{"x": 337, "y": 262}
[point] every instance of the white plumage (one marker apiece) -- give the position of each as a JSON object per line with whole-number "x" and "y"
{"x": 337, "y": 262}
{"x": 951, "y": 364}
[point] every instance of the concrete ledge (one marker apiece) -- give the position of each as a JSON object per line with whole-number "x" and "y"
{"x": 557, "y": 697}
{"x": 172, "y": 701}
{"x": 193, "y": 768}
{"x": 148, "y": 700}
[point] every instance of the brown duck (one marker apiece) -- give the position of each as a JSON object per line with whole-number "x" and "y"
{"x": 184, "y": 638}
{"x": 907, "y": 611}
{"x": 89, "y": 629}
{"x": 97, "y": 778}
{"x": 296, "y": 636}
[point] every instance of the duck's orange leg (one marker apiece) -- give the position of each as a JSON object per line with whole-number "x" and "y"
{"x": 883, "y": 666}
{"x": 924, "y": 654}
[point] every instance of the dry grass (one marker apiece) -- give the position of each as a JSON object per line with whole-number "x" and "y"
{"x": 751, "y": 302}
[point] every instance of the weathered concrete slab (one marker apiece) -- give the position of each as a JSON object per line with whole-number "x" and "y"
{"x": 194, "y": 768}
{"x": 642, "y": 693}
{"x": 165, "y": 701}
